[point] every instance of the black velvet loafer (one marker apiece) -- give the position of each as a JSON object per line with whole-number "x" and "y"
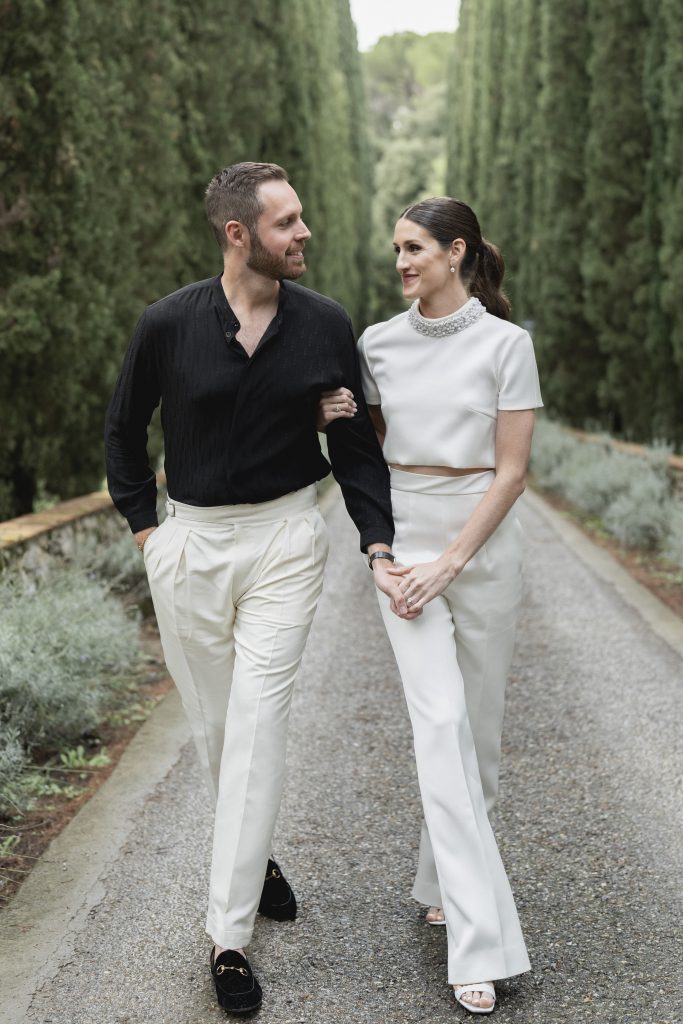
{"x": 277, "y": 898}
{"x": 237, "y": 989}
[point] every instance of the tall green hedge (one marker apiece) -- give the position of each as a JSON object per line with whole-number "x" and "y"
{"x": 566, "y": 135}
{"x": 113, "y": 117}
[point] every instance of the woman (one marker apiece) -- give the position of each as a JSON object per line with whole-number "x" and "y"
{"x": 452, "y": 385}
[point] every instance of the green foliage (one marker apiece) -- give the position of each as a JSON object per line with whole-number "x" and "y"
{"x": 570, "y": 362}
{"x": 7, "y": 845}
{"x": 632, "y": 496}
{"x": 566, "y": 136}
{"x": 113, "y": 117}
{"x": 617, "y": 259}
{"x": 407, "y": 84}
{"x": 77, "y": 758}
{"x": 64, "y": 644}
{"x": 118, "y": 562}
{"x": 671, "y": 187}
{"x": 12, "y": 757}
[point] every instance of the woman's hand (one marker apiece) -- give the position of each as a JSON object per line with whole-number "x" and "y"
{"x": 391, "y": 586}
{"x": 425, "y": 581}
{"x": 334, "y": 405}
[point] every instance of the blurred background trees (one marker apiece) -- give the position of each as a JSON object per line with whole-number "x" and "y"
{"x": 560, "y": 121}
{"x": 581, "y": 184}
{"x": 113, "y": 118}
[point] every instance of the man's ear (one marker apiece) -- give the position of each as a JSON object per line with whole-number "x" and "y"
{"x": 236, "y": 234}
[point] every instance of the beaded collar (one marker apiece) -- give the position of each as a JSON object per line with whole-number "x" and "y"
{"x": 441, "y": 327}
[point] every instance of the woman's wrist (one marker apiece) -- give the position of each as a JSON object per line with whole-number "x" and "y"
{"x": 454, "y": 561}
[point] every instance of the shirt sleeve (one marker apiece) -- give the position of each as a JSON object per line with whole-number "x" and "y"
{"x": 518, "y": 384}
{"x": 131, "y": 480}
{"x": 357, "y": 461}
{"x": 372, "y": 395}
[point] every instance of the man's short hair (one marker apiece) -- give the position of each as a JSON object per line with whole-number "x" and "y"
{"x": 233, "y": 195}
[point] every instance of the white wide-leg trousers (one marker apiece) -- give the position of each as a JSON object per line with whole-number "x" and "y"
{"x": 453, "y": 662}
{"x": 235, "y": 588}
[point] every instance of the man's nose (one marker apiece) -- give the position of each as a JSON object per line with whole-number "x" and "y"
{"x": 303, "y": 233}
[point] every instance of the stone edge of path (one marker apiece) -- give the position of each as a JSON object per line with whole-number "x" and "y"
{"x": 41, "y": 924}
{"x": 39, "y": 927}
{"x": 44, "y": 918}
{"x": 662, "y": 620}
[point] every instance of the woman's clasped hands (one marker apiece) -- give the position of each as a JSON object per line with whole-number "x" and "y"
{"x": 424, "y": 581}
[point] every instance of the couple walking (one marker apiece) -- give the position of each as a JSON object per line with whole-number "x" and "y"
{"x": 429, "y": 425}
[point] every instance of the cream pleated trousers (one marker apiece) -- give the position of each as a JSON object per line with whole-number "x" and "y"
{"x": 235, "y": 588}
{"x": 453, "y": 662}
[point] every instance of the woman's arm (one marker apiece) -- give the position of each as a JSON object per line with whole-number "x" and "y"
{"x": 425, "y": 581}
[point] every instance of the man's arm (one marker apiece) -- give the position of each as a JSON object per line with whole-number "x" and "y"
{"x": 363, "y": 475}
{"x": 357, "y": 461}
{"x": 131, "y": 480}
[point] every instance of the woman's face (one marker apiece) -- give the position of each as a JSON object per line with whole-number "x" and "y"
{"x": 425, "y": 267}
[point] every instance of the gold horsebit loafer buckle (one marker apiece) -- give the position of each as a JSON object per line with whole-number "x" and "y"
{"x": 241, "y": 970}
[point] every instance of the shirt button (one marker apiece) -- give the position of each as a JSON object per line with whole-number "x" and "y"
{"x": 228, "y": 335}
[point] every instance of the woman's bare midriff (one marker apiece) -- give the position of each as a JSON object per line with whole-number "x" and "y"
{"x": 440, "y": 470}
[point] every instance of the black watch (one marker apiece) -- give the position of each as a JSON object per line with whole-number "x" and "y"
{"x": 380, "y": 554}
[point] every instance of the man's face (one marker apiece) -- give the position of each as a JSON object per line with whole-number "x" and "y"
{"x": 277, "y": 251}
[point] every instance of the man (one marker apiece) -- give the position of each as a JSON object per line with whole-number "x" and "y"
{"x": 239, "y": 363}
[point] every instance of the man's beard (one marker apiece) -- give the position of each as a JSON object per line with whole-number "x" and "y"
{"x": 264, "y": 262}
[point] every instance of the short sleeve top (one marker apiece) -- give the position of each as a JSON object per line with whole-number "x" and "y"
{"x": 440, "y": 396}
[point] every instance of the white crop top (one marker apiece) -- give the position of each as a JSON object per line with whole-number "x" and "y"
{"x": 440, "y": 396}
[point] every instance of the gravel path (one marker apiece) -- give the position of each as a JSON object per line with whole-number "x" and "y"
{"x": 585, "y": 827}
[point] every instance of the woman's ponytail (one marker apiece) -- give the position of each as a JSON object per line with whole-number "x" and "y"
{"x": 483, "y": 267}
{"x": 489, "y": 270}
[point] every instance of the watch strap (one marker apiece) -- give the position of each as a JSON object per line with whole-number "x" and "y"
{"x": 380, "y": 554}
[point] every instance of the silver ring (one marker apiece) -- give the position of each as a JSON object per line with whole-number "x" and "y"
{"x": 336, "y": 408}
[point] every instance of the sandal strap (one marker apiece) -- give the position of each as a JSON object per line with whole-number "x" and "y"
{"x": 476, "y": 986}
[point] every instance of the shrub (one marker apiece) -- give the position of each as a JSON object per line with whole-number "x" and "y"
{"x": 633, "y": 495}
{"x": 117, "y": 561}
{"x": 640, "y": 515}
{"x": 12, "y": 757}
{"x": 673, "y": 545}
{"x": 64, "y": 644}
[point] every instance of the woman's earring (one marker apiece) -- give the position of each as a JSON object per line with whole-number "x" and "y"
{"x": 452, "y": 270}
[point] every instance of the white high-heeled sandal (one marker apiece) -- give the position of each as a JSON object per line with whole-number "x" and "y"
{"x": 479, "y": 986}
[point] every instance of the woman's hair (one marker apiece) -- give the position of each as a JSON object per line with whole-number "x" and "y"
{"x": 483, "y": 267}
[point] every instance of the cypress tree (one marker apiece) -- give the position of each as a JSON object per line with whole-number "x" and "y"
{"x": 488, "y": 53}
{"x": 570, "y": 363}
{"x": 616, "y": 256}
{"x": 525, "y": 275}
{"x": 667, "y": 380}
{"x": 461, "y": 169}
{"x": 671, "y": 192}
{"x": 114, "y": 117}
{"x": 63, "y": 145}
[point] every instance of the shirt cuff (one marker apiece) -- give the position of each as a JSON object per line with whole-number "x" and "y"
{"x": 143, "y": 521}
{"x": 375, "y": 535}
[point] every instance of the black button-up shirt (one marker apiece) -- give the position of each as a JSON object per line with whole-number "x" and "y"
{"x": 237, "y": 428}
